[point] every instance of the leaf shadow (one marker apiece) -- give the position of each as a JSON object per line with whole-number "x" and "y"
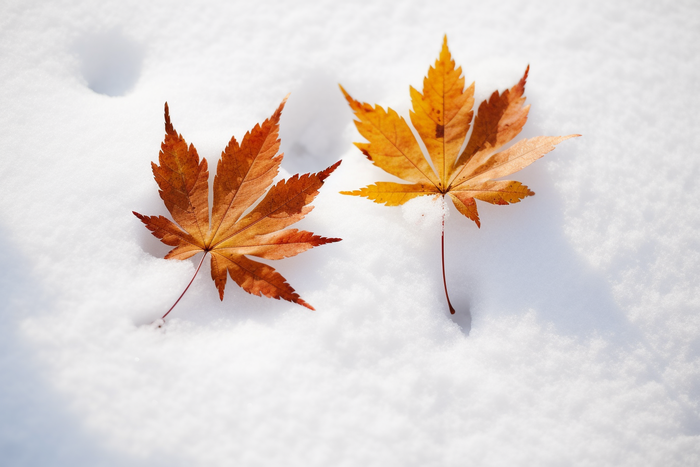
{"x": 313, "y": 125}
{"x": 521, "y": 259}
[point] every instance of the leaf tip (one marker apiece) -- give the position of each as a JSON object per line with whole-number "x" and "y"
{"x": 168, "y": 125}
{"x": 345, "y": 93}
{"x": 355, "y": 105}
{"x": 141, "y": 217}
{"x": 282, "y": 104}
{"x": 323, "y": 175}
{"x": 564, "y": 138}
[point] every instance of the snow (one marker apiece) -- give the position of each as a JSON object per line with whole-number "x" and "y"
{"x": 585, "y": 340}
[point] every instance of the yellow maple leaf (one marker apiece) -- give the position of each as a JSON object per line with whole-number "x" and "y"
{"x": 442, "y": 116}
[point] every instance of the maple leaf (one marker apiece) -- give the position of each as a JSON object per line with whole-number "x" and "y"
{"x": 442, "y": 116}
{"x": 243, "y": 175}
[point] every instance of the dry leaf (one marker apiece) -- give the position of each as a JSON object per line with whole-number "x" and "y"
{"x": 442, "y": 115}
{"x": 243, "y": 175}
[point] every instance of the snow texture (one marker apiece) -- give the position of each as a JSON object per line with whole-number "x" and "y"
{"x": 585, "y": 341}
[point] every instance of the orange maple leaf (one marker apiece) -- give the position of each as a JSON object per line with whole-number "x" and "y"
{"x": 442, "y": 116}
{"x": 243, "y": 175}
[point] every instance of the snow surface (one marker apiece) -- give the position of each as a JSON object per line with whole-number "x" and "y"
{"x": 585, "y": 341}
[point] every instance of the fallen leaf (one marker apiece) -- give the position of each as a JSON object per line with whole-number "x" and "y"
{"x": 442, "y": 116}
{"x": 243, "y": 175}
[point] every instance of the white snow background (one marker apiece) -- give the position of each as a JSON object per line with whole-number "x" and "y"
{"x": 585, "y": 340}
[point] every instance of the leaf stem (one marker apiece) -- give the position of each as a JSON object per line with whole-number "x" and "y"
{"x": 188, "y": 286}
{"x": 444, "y": 281}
